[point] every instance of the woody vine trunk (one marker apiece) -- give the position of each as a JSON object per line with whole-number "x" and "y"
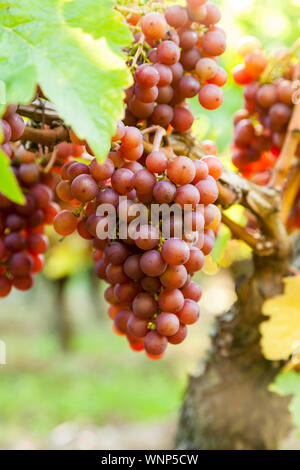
{"x": 228, "y": 405}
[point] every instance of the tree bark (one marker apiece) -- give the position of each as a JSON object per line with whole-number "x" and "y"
{"x": 64, "y": 320}
{"x": 228, "y": 405}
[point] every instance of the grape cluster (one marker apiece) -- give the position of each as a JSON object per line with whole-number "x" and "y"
{"x": 178, "y": 60}
{"x": 11, "y": 128}
{"x": 260, "y": 127}
{"x": 22, "y": 238}
{"x": 151, "y": 294}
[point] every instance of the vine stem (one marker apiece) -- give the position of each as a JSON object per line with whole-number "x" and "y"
{"x": 290, "y": 193}
{"x": 288, "y": 151}
{"x": 46, "y": 114}
{"x": 49, "y": 137}
{"x": 158, "y": 138}
{"x": 227, "y": 197}
{"x": 258, "y": 244}
{"x": 160, "y": 132}
{"x": 150, "y": 129}
{"x": 148, "y": 147}
{"x": 138, "y": 51}
{"x": 51, "y": 161}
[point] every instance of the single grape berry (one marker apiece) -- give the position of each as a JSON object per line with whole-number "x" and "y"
{"x": 156, "y": 162}
{"x": 180, "y": 336}
{"x": 181, "y": 170}
{"x": 175, "y": 251}
{"x": 182, "y": 119}
{"x": 168, "y": 53}
{"x": 211, "y": 97}
{"x": 65, "y": 223}
{"x": 84, "y": 188}
{"x": 155, "y": 344}
{"x": 154, "y": 26}
{"x": 176, "y": 16}
{"x": 152, "y": 263}
{"x": 213, "y": 43}
{"x": 144, "y": 305}
{"x": 167, "y": 324}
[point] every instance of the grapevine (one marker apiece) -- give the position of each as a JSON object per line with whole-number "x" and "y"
{"x": 97, "y": 140}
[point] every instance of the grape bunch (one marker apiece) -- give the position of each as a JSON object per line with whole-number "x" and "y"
{"x": 22, "y": 238}
{"x": 151, "y": 293}
{"x": 260, "y": 127}
{"x": 176, "y": 54}
{"x": 11, "y": 128}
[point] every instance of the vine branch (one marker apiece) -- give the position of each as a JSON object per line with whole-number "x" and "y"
{"x": 288, "y": 151}
{"x": 37, "y": 112}
{"x": 258, "y": 244}
{"x": 290, "y": 193}
{"x": 49, "y": 137}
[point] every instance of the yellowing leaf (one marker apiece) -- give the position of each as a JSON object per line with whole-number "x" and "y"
{"x": 237, "y": 214}
{"x": 281, "y": 332}
{"x": 236, "y": 250}
{"x": 66, "y": 256}
{"x": 210, "y": 267}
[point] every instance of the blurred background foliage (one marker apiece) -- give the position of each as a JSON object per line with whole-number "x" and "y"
{"x": 69, "y": 381}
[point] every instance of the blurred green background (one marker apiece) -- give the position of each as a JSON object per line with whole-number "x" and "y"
{"x": 69, "y": 382}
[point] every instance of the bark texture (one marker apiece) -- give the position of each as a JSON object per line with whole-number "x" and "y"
{"x": 64, "y": 320}
{"x": 228, "y": 405}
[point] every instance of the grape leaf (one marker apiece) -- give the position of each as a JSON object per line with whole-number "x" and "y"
{"x": 89, "y": 17}
{"x": 288, "y": 383}
{"x": 281, "y": 332}
{"x": 67, "y": 258}
{"x": 82, "y": 76}
{"x": 8, "y": 182}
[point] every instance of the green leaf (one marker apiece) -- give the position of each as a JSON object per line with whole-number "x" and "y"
{"x": 88, "y": 15}
{"x": 8, "y": 183}
{"x": 2, "y": 93}
{"x": 221, "y": 243}
{"x": 288, "y": 383}
{"x": 81, "y": 75}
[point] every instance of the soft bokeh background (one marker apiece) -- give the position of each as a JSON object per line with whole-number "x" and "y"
{"x": 69, "y": 382}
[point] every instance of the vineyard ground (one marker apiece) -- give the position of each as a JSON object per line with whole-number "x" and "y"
{"x": 51, "y": 399}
